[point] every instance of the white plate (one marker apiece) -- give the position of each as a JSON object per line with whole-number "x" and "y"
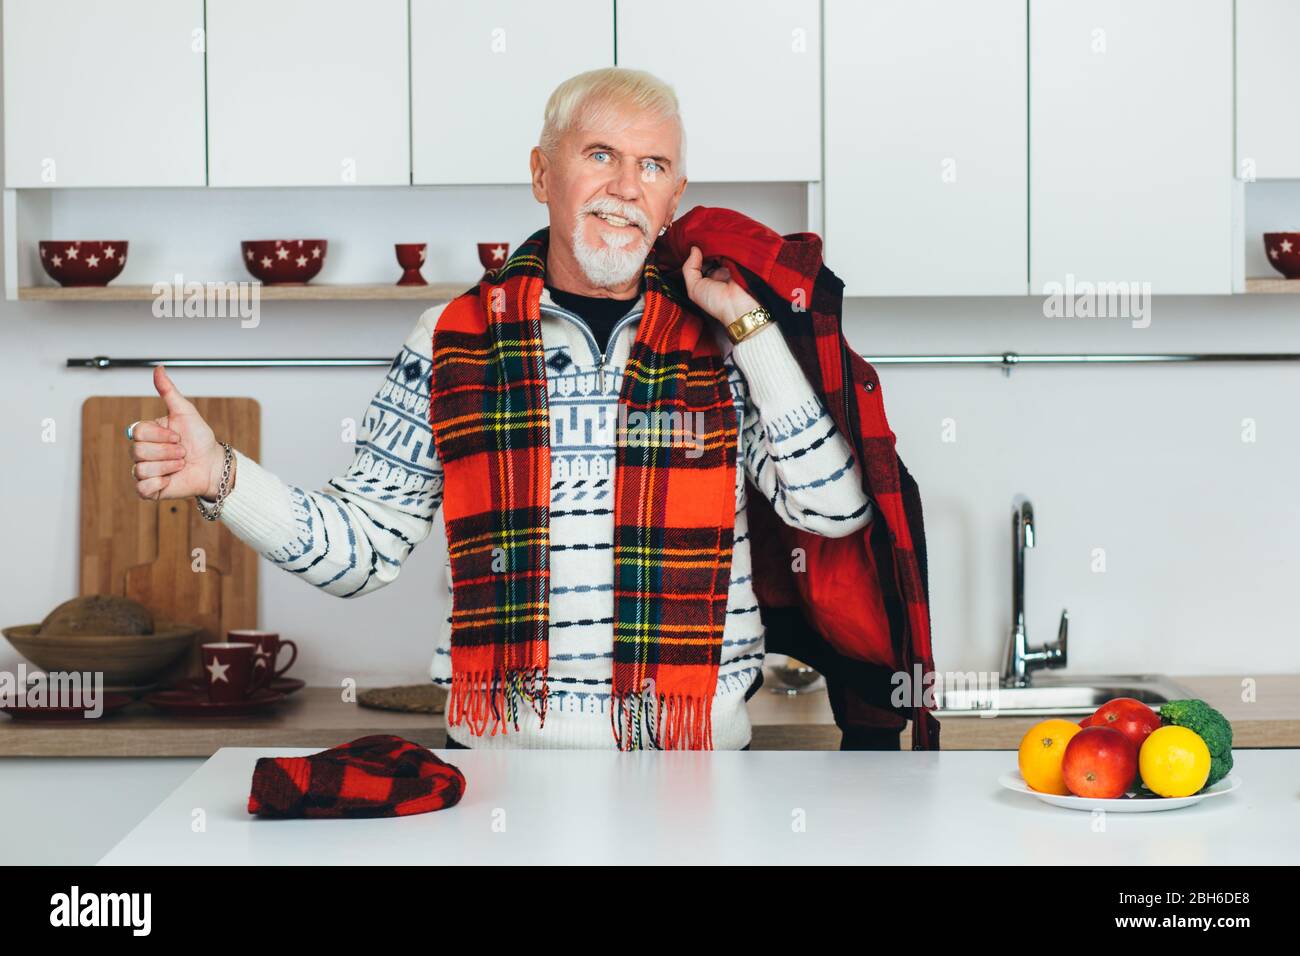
{"x": 1013, "y": 781}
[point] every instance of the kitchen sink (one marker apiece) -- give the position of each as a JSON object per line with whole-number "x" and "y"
{"x": 1032, "y": 681}
{"x": 1049, "y": 694}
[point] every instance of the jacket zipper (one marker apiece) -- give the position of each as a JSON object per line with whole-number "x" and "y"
{"x": 602, "y": 357}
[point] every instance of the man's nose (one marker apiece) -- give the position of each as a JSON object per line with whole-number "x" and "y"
{"x": 626, "y": 185}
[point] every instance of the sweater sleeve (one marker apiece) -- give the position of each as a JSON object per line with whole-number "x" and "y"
{"x": 350, "y": 537}
{"x": 793, "y": 452}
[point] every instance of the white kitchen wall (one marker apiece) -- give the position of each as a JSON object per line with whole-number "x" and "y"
{"x": 1201, "y": 530}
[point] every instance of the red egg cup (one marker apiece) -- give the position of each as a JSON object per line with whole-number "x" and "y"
{"x": 492, "y": 256}
{"x": 284, "y": 261}
{"x": 410, "y": 256}
{"x": 83, "y": 262}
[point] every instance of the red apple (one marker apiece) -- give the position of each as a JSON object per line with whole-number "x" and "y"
{"x": 1099, "y": 762}
{"x": 1132, "y": 718}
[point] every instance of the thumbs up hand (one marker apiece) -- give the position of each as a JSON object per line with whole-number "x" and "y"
{"x": 177, "y": 455}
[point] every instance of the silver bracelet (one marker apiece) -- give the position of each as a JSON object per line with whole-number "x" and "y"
{"x": 223, "y": 486}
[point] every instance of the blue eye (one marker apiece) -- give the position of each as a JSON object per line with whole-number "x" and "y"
{"x": 599, "y": 152}
{"x": 652, "y": 163}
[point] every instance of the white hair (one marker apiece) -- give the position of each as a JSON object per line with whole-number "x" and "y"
{"x": 591, "y": 99}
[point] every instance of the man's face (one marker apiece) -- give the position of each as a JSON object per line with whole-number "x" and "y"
{"x": 610, "y": 188}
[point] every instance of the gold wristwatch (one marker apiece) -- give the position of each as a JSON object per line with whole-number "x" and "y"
{"x": 748, "y": 324}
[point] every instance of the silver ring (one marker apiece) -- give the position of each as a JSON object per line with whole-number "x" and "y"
{"x": 130, "y": 429}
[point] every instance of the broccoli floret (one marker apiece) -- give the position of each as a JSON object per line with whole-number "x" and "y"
{"x": 1210, "y": 725}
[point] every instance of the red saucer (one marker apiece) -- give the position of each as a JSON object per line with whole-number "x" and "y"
{"x": 281, "y": 685}
{"x": 287, "y": 685}
{"x": 111, "y": 703}
{"x": 184, "y": 702}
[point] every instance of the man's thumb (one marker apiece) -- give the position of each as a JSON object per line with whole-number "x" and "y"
{"x": 176, "y": 402}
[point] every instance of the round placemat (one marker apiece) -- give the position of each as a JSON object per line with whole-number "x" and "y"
{"x": 412, "y": 698}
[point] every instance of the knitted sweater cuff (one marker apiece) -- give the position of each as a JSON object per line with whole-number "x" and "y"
{"x": 259, "y": 510}
{"x": 777, "y": 383}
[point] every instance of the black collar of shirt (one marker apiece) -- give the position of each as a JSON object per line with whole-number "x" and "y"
{"x": 599, "y": 312}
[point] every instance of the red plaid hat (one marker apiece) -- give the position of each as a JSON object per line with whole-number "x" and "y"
{"x": 377, "y": 776}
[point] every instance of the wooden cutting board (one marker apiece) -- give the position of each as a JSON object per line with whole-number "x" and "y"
{"x": 146, "y": 550}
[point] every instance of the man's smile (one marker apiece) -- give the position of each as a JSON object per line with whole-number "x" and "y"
{"x": 617, "y": 221}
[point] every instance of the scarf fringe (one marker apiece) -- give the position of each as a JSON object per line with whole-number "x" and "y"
{"x": 678, "y": 722}
{"x": 480, "y": 698}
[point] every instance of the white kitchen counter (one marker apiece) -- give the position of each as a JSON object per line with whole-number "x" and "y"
{"x": 735, "y": 807}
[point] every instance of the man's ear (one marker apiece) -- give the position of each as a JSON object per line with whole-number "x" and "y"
{"x": 677, "y": 197}
{"x": 537, "y": 167}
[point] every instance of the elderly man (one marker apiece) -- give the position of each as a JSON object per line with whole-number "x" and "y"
{"x": 582, "y": 566}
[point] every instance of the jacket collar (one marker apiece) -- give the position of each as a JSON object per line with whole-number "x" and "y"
{"x": 562, "y": 328}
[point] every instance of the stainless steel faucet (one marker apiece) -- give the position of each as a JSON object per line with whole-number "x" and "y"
{"x": 1021, "y": 660}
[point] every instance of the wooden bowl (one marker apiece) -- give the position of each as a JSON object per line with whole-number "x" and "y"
{"x": 124, "y": 659}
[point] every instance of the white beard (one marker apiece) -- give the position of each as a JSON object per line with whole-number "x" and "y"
{"x": 611, "y": 265}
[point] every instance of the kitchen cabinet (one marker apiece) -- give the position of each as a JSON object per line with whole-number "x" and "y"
{"x": 926, "y": 125}
{"x": 103, "y": 94}
{"x": 481, "y": 72}
{"x": 308, "y": 93}
{"x": 1130, "y": 143}
{"x": 1268, "y": 136}
{"x": 748, "y": 76}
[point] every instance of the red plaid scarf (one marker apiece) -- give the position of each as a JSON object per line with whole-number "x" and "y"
{"x": 674, "y": 509}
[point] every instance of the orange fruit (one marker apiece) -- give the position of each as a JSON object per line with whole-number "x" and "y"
{"x": 1174, "y": 762}
{"x": 1041, "y": 751}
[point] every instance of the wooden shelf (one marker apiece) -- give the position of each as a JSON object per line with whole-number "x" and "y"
{"x": 312, "y": 292}
{"x": 318, "y": 717}
{"x": 434, "y": 292}
{"x": 1273, "y": 285}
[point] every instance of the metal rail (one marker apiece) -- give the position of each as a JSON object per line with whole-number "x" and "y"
{"x": 1004, "y": 360}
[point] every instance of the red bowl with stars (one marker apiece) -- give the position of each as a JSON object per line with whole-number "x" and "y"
{"x": 1283, "y": 251}
{"x": 82, "y": 262}
{"x": 284, "y": 261}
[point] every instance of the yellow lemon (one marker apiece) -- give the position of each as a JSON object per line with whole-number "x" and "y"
{"x": 1174, "y": 762}
{"x": 1041, "y": 753}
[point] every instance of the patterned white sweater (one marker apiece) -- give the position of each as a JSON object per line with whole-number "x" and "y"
{"x": 351, "y": 537}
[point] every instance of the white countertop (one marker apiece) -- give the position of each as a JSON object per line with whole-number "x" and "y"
{"x": 735, "y": 807}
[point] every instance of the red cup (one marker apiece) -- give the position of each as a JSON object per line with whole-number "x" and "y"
{"x": 493, "y": 255}
{"x": 266, "y": 655}
{"x": 228, "y": 669}
{"x": 410, "y": 256}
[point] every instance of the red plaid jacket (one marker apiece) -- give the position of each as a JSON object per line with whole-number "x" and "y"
{"x": 866, "y": 595}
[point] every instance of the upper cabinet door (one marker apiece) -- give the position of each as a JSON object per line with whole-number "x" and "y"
{"x": 1268, "y": 40}
{"x": 308, "y": 93}
{"x": 103, "y": 94}
{"x": 926, "y": 126}
{"x": 1130, "y": 158}
{"x": 748, "y": 76}
{"x": 481, "y": 72}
